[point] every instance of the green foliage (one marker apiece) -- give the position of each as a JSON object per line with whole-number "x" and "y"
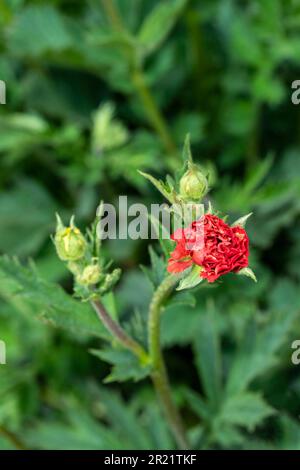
{"x": 30, "y": 199}
{"x": 246, "y": 409}
{"x": 208, "y": 358}
{"x": 258, "y": 351}
{"x": 91, "y": 100}
{"x": 125, "y": 365}
{"x": 30, "y": 294}
{"x": 82, "y": 430}
{"x": 39, "y": 29}
{"x": 108, "y": 132}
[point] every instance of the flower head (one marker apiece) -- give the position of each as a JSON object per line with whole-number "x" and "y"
{"x": 211, "y": 244}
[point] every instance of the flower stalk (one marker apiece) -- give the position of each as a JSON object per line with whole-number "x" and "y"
{"x": 154, "y": 115}
{"x": 118, "y": 332}
{"x": 159, "y": 372}
{"x": 139, "y": 82}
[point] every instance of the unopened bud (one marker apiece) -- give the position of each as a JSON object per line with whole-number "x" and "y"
{"x": 193, "y": 184}
{"x": 90, "y": 275}
{"x": 69, "y": 242}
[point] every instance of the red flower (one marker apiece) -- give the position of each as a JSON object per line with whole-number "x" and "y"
{"x": 212, "y": 244}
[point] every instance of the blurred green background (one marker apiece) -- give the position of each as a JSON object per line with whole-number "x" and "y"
{"x": 95, "y": 91}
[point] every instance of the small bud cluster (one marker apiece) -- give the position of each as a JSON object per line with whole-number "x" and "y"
{"x": 82, "y": 256}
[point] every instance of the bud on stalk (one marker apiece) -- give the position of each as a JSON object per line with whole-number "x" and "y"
{"x": 90, "y": 275}
{"x": 193, "y": 184}
{"x": 69, "y": 242}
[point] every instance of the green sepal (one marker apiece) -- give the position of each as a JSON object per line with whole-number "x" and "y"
{"x": 192, "y": 279}
{"x": 241, "y": 222}
{"x": 165, "y": 189}
{"x": 247, "y": 272}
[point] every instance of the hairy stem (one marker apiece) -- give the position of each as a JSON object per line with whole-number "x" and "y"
{"x": 159, "y": 372}
{"x": 117, "y": 331}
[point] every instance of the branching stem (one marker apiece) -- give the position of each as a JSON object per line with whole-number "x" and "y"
{"x": 159, "y": 373}
{"x": 118, "y": 332}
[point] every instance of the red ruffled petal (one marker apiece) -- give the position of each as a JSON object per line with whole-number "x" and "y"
{"x": 211, "y": 243}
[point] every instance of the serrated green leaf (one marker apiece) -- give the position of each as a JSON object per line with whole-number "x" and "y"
{"x": 246, "y": 409}
{"x": 258, "y": 350}
{"x": 32, "y": 295}
{"x": 126, "y": 366}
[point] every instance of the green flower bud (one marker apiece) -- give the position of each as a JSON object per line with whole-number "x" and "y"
{"x": 193, "y": 184}
{"x": 69, "y": 242}
{"x": 90, "y": 275}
